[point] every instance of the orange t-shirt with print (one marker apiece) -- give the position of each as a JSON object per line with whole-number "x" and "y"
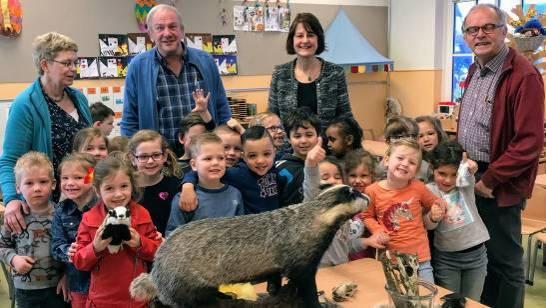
{"x": 399, "y": 213}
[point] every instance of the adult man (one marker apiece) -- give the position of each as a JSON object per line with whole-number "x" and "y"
{"x": 160, "y": 83}
{"x": 501, "y": 127}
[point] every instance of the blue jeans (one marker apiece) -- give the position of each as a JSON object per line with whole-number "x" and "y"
{"x": 461, "y": 272}
{"x": 425, "y": 271}
{"x": 38, "y": 298}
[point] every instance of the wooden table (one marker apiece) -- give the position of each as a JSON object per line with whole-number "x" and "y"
{"x": 368, "y": 274}
{"x": 377, "y": 148}
{"x": 541, "y": 180}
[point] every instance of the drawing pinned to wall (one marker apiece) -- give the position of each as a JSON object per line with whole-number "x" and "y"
{"x": 261, "y": 17}
{"x": 113, "y": 45}
{"x": 224, "y": 44}
{"x": 284, "y": 16}
{"x": 256, "y": 17}
{"x": 142, "y": 7}
{"x": 11, "y": 18}
{"x": 138, "y": 43}
{"x": 272, "y": 19}
{"x": 88, "y": 67}
{"x": 227, "y": 64}
{"x": 202, "y": 41}
{"x": 240, "y": 21}
{"x": 113, "y": 67}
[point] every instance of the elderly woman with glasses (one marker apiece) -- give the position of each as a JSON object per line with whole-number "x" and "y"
{"x": 44, "y": 117}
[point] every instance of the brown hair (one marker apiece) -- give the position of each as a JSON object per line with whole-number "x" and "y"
{"x": 83, "y": 136}
{"x": 260, "y": 117}
{"x": 119, "y": 143}
{"x": 189, "y": 121}
{"x": 83, "y": 160}
{"x": 111, "y": 165}
{"x": 30, "y": 160}
{"x": 442, "y": 136}
{"x": 225, "y": 129}
{"x": 198, "y": 141}
{"x": 311, "y": 23}
{"x": 400, "y": 127}
{"x": 358, "y": 157}
{"x": 171, "y": 165}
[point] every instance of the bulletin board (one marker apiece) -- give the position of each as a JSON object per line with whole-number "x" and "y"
{"x": 258, "y": 52}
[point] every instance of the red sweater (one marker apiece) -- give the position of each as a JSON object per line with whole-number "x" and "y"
{"x": 111, "y": 274}
{"x": 517, "y": 130}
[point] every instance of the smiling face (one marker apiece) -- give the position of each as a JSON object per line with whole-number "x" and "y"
{"x": 259, "y": 155}
{"x": 303, "y": 139}
{"x": 428, "y": 138}
{"x": 59, "y": 73}
{"x": 330, "y": 173}
{"x": 36, "y": 185}
{"x": 305, "y": 42}
{"x": 275, "y": 129}
{"x": 360, "y": 177}
{"x": 445, "y": 176}
{"x": 96, "y": 147}
{"x": 232, "y": 147}
{"x": 166, "y": 32}
{"x": 402, "y": 164}
{"x": 485, "y": 46}
{"x": 210, "y": 164}
{"x": 73, "y": 183}
{"x": 115, "y": 190}
{"x": 145, "y": 155}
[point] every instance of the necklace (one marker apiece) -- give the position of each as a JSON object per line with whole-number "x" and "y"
{"x": 55, "y": 100}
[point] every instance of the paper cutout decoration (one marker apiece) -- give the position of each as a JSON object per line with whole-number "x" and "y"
{"x": 138, "y": 43}
{"x": 113, "y": 67}
{"x": 202, "y": 41}
{"x": 11, "y": 18}
{"x": 113, "y": 45}
{"x": 142, "y": 8}
{"x": 224, "y": 44}
{"x": 227, "y": 64}
{"x": 88, "y": 67}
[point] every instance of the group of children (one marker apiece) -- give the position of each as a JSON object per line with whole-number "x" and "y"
{"x": 270, "y": 165}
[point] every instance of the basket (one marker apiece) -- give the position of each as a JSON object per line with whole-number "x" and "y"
{"x": 529, "y": 43}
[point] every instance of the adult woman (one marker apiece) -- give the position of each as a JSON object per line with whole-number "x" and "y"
{"x": 308, "y": 81}
{"x": 44, "y": 117}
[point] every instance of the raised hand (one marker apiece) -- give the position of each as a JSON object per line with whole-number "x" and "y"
{"x": 315, "y": 155}
{"x": 201, "y": 101}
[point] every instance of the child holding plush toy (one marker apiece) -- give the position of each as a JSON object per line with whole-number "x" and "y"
{"x": 112, "y": 273}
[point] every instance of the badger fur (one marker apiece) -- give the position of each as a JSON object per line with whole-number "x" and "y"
{"x": 196, "y": 258}
{"x": 116, "y": 225}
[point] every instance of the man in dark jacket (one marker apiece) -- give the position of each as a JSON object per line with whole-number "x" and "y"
{"x": 501, "y": 127}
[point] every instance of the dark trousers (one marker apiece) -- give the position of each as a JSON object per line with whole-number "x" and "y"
{"x": 39, "y": 298}
{"x": 505, "y": 282}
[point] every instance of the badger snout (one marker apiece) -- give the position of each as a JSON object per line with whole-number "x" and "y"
{"x": 361, "y": 200}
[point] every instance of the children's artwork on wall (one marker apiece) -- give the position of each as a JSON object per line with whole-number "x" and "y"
{"x": 224, "y": 44}
{"x": 284, "y": 16}
{"x": 113, "y": 45}
{"x": 11, "y": 18}
{"x": 202, "y": 41}
{"x": 88, "y": 67}
{"x": 272, "y": 19}
{"x": 142, "y": 7}
{"x": 256, "y": 17}
{"x": 138, "y": 43}
{"x": 240, "y": 21}
{"x": 113, "y": 67}
{"x": 227, "y": 64}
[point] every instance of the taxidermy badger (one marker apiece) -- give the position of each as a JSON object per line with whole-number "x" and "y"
{"x": 116, "y": 226}
{"x": 196, "y": 258}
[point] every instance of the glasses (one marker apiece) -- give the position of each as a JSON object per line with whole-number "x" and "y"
{"x": 144, "y": 158}
{"x": 275, "y": 128}
{"x": 487, "y": 29}
{"x": 68, "y": 64}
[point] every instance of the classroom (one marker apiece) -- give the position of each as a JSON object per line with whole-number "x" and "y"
{"x": 123, "y": 123}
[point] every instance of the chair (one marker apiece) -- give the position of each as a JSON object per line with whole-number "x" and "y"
{"x": 11, "y": 288}
{"x": 540, "y": 240}
{"x": 533, "y": 223}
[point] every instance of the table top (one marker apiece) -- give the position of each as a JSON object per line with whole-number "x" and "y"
{"x": 377, "y": 148}
{"x": 541, "y": 180}
{"x": 368, "y": 275}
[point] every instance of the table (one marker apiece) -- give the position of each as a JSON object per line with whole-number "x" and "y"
{"x": 541, "y": 180}
{"x": 368, "y": 274}
{"x": 376, "y": 148}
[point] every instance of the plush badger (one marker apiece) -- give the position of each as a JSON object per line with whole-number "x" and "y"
{"x": 116, "y": 226}
{"x": 196, "y": 258}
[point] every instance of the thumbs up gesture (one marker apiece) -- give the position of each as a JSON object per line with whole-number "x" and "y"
{"x": 315, "y": 155}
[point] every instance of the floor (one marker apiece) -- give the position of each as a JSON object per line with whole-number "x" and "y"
{"x": 535, "y": 296}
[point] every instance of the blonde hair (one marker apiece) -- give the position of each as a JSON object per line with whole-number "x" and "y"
{"x": 198, "y": 141}
{"x": 48, "y": 45}
{"x": 84, "y": 160}
{"x": 408, "y": 142}
{"x": 30, "y": 160}
{"x": 260, "y": 117}
{"x": 84, "y": 136}
{"x": 171, "y": 165}
{"x": 119, "y": 143}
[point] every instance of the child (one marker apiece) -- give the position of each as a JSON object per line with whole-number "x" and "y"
{"x": 344, "y": 134}
{"x": 430, "y": 133}
{"x": 111, "y": 274}
{"x": 118, "y": 143}
{"x": 303, "y": 134}
{"x": 272, "y": 123}
{"x": 232, "y": 144}
{"x": 256, "y": 178}
{"x": 103, "y": 117}
{"x": 36, "y": 274}
{"x": 92, "y": 141}
{"x": 397, "y": 205}
{"x": 190, "y": 126}
{"x": 459, "y": 255}
{"x": 215, "y": 198}
{"x": 76, "y": 172}
{"x": 158, "y": 174}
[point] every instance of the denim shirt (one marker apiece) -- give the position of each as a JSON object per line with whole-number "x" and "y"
{"x": 65, "y": 225}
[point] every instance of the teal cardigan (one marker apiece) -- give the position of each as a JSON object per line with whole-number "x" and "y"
{"x": 29, "y": 129}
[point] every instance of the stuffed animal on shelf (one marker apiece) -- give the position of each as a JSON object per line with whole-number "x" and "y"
{"x": 116, "y": 226}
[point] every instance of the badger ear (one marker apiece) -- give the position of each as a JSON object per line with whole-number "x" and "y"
{"x": 112, "y": 213}
{"x": 128, "y": 213}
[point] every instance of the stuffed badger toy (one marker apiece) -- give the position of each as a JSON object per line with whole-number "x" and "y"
{"x": 116, "y": 226}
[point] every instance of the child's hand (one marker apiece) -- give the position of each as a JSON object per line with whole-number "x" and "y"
{"x": 62, "y": 286}
{"x": 159, "y": 237}
{"x": 188, "y": 198}
{"x": 72, "y": 251}
{"x": 437, "y": 211}
{"x": 201, "y": 101}
{"x": 472, "y": 164}
{"x": 382, "y": 237}
{"x": 98, "y": 243}
{"x": 315, "y": 155}
{"x": 375, "y": 241}
{"x": 22, "y": 264}
{"x": 135, "y": 238}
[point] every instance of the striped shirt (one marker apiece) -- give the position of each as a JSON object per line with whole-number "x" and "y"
{"x": 477, "y": 106}
{"x": 174, "y": 96}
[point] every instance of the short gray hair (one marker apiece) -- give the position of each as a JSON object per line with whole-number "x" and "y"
{"x": 162, "y": 7}
{"x": 502, "y": 17}
{"x": 48, "y": 45}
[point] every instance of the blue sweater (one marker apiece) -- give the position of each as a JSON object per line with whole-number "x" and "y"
{"x": 29, "y": 129}
{"x": 213, "y": 203}
{"x": 140, "y": 100}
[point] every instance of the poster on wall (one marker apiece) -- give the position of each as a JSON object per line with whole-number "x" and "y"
{"x": 113, "y": 45}
{"x": 240, "y": 21}
{"x": 113, "y": 67}
{"x": 224, "y": 44}
{"x": 284, "y": 17}
{"x": 255, "y": 15}
{"x": 227, "y": 64}
{"x": 202, "y": 41}
{"x": 138, "y": 43}
{"x": 88, "y": 67}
